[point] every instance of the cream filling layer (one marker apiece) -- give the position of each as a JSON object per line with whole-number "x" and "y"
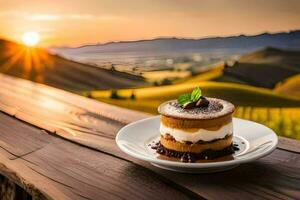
{"x": 201, "y": 134}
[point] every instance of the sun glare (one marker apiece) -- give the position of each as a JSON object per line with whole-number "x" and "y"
{"x": 31, "y": 39}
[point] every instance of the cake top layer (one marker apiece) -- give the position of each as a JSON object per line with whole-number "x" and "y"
{"x": 216, "y": 108}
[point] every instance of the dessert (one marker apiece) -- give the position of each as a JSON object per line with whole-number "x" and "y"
{"x": 194, "y": 127}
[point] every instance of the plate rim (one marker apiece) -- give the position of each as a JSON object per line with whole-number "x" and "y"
{"x": 194, "y": 165}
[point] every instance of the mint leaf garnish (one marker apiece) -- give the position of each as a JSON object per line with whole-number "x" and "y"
{"x": 196, "y": 94}
{"x": 185, "y": 99}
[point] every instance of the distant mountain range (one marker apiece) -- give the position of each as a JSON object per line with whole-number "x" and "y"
{"x": 283, "y": 40}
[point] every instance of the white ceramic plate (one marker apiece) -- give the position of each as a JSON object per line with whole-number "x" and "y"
{"x": 254, "y": 140}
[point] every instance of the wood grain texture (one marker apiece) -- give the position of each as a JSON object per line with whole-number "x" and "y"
{"x": 273, "y": 177}
{"x": 15, "y": 139}
{"x": 63, "y": 170}
{"x": 85, "y": 170}
{"x": 289, "y": 144}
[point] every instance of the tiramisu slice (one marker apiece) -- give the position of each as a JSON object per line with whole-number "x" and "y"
{"x": 194, "y": 127}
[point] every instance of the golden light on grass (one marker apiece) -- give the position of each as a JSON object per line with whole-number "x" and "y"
{"x": 31, "y": 38}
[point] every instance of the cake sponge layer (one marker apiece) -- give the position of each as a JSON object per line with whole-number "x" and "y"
{"x": 196, "y": 148}
{"x": 195, "y": 123}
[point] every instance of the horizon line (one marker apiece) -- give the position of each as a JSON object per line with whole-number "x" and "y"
{"x": 170, "y": 37}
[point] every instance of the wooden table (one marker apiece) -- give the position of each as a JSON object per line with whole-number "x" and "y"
{"x": 58, "y": 145}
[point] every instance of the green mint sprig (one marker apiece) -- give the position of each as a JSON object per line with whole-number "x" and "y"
{"x": 186, "y": 99}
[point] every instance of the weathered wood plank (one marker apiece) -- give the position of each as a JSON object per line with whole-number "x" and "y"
{"x": 94, "y": 124}
{"x": 92, "y": 175}
{"x": 15, "y": 139}
{"x": 273, "y": 177}
{"x": 43, "y": 92}
{"x": 34, "y": 103}
{"x": 289, "y": 144}
{"x": 62, "y": 170}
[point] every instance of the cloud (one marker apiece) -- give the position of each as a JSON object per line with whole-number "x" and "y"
{"x": 56, "y": 17}
{"x": 79, "y": 16}
{"x": 43, "y": 17}
{"x": 49, "y": 17}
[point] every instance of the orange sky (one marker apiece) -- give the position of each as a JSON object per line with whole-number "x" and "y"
{"x": 90, "y": 21}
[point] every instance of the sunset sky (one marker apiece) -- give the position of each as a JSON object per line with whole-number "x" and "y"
{"x": 79, "y": 22}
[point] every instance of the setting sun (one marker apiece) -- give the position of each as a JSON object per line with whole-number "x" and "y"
{"x": 31, "y": 39}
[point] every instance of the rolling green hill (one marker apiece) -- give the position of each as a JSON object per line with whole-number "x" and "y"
{"x": 263, "y": 68}
{"x": 270, "y": 55}
{"x": 259, "y": 75}
{"x": 38, "y": 65}
{"x": 147, "y": 99}
{"x": 214, "y": 73}
{"x": 290, "y": 87}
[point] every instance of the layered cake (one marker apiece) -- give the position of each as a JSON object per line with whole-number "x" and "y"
{"x": 196, "y": 128}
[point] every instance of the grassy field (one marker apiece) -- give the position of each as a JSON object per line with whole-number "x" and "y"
{"x": 284, "y": 121}
{"x": 290, "y": 87}
{"x": 241, "y": 95}
{"x": 157, "y": 76}
{"x": 278, "y": 112}
{"x": 265, "y": 67}
{"x": 260, "y": 75}
{"x": 212, "y": 74}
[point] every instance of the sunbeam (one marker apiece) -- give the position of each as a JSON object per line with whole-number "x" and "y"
{"x": 28, "y": 62}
